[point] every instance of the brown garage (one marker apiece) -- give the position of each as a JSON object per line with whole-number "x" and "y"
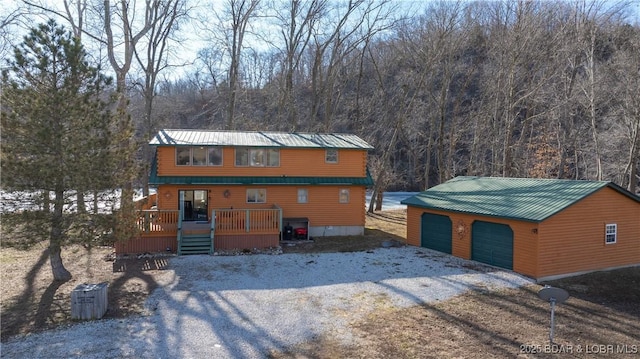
{"x": 542, "y": 228}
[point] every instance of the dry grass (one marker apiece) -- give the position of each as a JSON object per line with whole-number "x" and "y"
{"x": 32, "y": 301}
{"x": 601, "y": 318}
{"x": 499, "y": 324}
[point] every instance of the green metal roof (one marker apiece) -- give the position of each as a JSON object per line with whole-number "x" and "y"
{"x": 526, "y": 199}
{"x": 154, "y": 179}
{"x": 258, "y": 139}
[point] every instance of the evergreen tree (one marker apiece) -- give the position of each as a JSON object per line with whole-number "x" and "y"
{"x": 55, "y": 140}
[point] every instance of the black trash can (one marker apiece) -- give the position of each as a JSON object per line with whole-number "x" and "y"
{"x": 287, "y": 234}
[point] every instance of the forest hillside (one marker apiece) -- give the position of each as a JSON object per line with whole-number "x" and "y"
{"x": 491, "y": 88}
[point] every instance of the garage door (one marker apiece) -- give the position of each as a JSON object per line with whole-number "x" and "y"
{"x": 492, "y": 243}
{"x": 436, "y": 232}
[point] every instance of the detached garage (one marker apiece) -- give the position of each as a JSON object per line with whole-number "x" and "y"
{"x": 541, "y": 228}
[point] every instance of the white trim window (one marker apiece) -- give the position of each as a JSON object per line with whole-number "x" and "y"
{"x": 331, "y": 155}
{"x": 610, "y": 233}
{"x": 303, "y": 195}
{"x": 256, "y": 195}
{"x": 344, "y": 195}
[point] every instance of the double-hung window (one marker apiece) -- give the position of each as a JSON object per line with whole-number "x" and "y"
{"x": 610, "y": 233}
{"x": 303, "y": 195}
{"x": 344, "y": 195}
{"x": 331, "y": 155}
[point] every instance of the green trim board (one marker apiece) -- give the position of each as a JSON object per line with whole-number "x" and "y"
{"x": 231, "y": 180}
{"x": 154, "y": 179}
{"x": 528, "y": 199}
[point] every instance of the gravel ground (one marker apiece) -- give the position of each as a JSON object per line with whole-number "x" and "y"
{"x": 247, "y": 306}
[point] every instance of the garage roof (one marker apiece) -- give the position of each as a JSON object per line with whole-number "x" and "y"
{"x": 528, "y": 199}
{"x": 258, "y": 139}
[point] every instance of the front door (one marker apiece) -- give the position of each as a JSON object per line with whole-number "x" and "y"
{"x": 193, "y": 204}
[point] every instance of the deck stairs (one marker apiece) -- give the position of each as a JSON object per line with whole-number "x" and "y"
{"x": 195, "y": 238}
{"x": 197, "y": 243}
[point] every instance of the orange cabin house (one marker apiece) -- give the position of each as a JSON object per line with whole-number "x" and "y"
{"x": 245, "y": 190}
{"x": 541, "y": 228}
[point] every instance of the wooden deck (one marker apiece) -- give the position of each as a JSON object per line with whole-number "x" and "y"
{"x": 162, "y": 230}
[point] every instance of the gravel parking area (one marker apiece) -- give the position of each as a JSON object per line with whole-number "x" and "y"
{"x": 247, "y": 306}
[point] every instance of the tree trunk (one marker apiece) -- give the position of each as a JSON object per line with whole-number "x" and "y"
{"x": 60, "y": 273}
{"x": 591, "y": 93}
{"x": 46, "y": 202}
{"x": 80, "y": 202}
{"x": 379, "y": 184}
{"x": 95, "y": 201}
{"x": 379, "y": 199}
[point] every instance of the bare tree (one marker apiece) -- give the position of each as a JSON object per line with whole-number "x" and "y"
{"x": 233, "y": 21}
{"x": 297, "y": 22}
{"x": 152, "y": 60}
{"x": 514, "y": 78}
{"x": 10, "y": 19}
{"x": 626, "y": 67}
{"x": 242, "y": 11}
{"x": 332, "y": 53}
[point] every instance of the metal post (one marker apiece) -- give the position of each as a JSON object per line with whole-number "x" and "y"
{"x": 553, "y": 310}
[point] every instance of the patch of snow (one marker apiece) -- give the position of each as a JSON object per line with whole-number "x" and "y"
{"x": 246, "y": 306}
{"x": 391, "y": 200}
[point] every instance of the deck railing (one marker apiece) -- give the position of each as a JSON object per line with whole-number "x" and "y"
{"x": 223, "y": 221}
{"x": 158, "y": 221}
{"x": 236, "y": 221}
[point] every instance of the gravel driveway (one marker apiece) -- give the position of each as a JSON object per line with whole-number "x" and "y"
{"x": 246, "y": 306}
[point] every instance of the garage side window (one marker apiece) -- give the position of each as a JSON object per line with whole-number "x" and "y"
{"x": 611, "y": 233}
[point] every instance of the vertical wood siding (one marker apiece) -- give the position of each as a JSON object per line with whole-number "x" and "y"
{"x": 228, "y": 242}
{"x": 303, "y": 162}
{"x": 157, "y": 244}
{"x": 573, "y": 240}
